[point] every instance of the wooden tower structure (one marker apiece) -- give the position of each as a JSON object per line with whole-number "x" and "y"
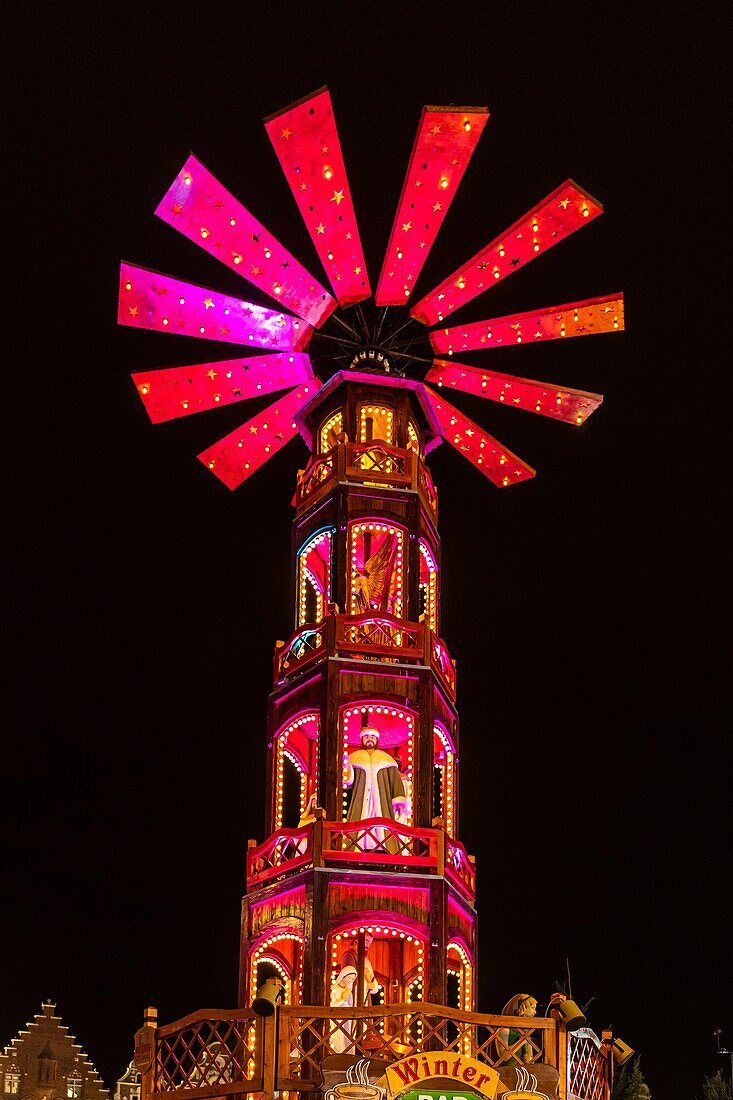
{"x": 386, "y": 886}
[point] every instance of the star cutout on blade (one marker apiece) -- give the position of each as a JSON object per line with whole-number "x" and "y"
{"x": 337, "y": 197}
{"x": 287, "y": 133}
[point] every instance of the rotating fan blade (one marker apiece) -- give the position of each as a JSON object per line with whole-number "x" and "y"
{"x": 486, "y": 453}
{"x": 306, "y": 142}
{"x": 566, "y": 209}
{"x": 446, "y": 139}
{"x": 200, "y": 207}
{"x": 573, "y": 406}
{"x": 154, "y": 301}
{"x": 236, "y": 457}
{"x": 584, "y": 318}
{"x": 182, "y": 391}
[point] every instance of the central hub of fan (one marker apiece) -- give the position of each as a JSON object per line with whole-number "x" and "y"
{"x": 373, "y": 358}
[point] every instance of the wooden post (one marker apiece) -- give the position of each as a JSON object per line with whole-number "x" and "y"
{"x": 145, "y": 1056}
{"x": 562, "y": 1060}
{"x": 269, "y": 1053}
{"x": 607, "y": 1052}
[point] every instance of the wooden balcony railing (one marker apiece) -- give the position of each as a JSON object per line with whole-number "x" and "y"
{"x": 371, "y": 636}
{"x": 377, "y": 842}
{"x": 376, "y": 462}
{"x": 214, "y": 1053}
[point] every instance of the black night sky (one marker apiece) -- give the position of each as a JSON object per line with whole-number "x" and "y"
{"x": 586, "y": 609}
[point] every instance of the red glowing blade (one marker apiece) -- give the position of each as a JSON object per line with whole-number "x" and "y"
{"x": 446, "y": 139}
{"x": 573, "y": 406}
{"x": 201, "y": 208}
{"x": 556, "y": 217}
{"x": 306, "y": 142}
{"x": 236, "y": 457}
{"x": 181, "y": 391}
{"x": 486, "y": 453}
{"x": 150, "y": 300}
{"x": 551, "y": 323}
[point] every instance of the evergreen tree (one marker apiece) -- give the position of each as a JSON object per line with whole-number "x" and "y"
{"x": 629, "y": 1084}
{"x": 715, "y": 1088}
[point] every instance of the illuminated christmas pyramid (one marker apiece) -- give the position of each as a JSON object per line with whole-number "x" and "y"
{"x": 362, "y": 894}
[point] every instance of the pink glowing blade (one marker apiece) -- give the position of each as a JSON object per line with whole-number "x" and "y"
{"x": 445, "y": 141}
{"x": 153, "y": 301}
{"x": 201, "y": 208}
{"x": 181, "y": 391}
{"x": 573, "y": 406}
{"x": 236, "y": 457}
{"x": 486, "y": 453}
{"x": 306, "y": 142}
{"x": 584, "y": 318}
{"x": 556, "y": 217}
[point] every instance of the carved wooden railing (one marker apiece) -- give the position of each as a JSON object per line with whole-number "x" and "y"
{"x": 380, "y": 462}
{"x": 209, "y": 1053}
{"x": 215, "y": 1053}
{"x": 441, "y": 661}
{"x": 372, "y": 635}
{"x": 376, "y": 462}
{"x": 379, "y": 635}
{"x": 305, "y": 645}
{"x": 460, "y": 867}
{"x": 376, "y": 842}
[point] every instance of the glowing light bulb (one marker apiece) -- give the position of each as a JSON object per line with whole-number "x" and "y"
{"x": 467, "y": 126}
{"x": 187, "y": 181}
{"x": 535, "y": 226}
{"x": 165, "y": 320}
{"x": 232, "y": 222}
{"x": 182, "y": 301}
{"x": 443, "y": 182}
{"x": 144, "y": 389}
{"x": 501, "y": 250}
{"x": 585, "y": 211}
{"x": 497, "y": 273}
{"x": 535, "y": 246}
{"x": 399, "y": 254}
{"x": 330, "y": 255}
{"x": 128, "y": 286}
{"x": 204, "y": 232}
{"x": 277, "y": 288}
{"x": 327, "y": 171}
{"x": 267, "y": 253}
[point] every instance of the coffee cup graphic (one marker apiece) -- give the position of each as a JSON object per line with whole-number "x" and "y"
{"x": 357, "y": 1085}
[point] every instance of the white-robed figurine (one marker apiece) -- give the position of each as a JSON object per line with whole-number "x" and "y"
{"x": 342, "y": 996}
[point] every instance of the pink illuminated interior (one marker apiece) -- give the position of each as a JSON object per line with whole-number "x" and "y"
{"x": 558, "y": 402}
{"x": 592, "y": 315}
{"x": 314, "y": 578}
{"x": 181, "y": 391}
{"x": 236, "y": 457}
{"x": 566, "y": 209}
{"x": 306, "y": 142}
{"x": 486, "y": 453}
{"x": 200, "y": 207}
{"x": 445, "y": 141}
{"x": 160, "y": 302}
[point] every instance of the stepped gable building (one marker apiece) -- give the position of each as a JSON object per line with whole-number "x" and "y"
{"x": 44, "y": 1062}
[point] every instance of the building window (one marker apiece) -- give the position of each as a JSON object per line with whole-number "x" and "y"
{"x": 428, "y": 587}
{"x": 73, "y": 1086}
{"x": 12, "y": 1082}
